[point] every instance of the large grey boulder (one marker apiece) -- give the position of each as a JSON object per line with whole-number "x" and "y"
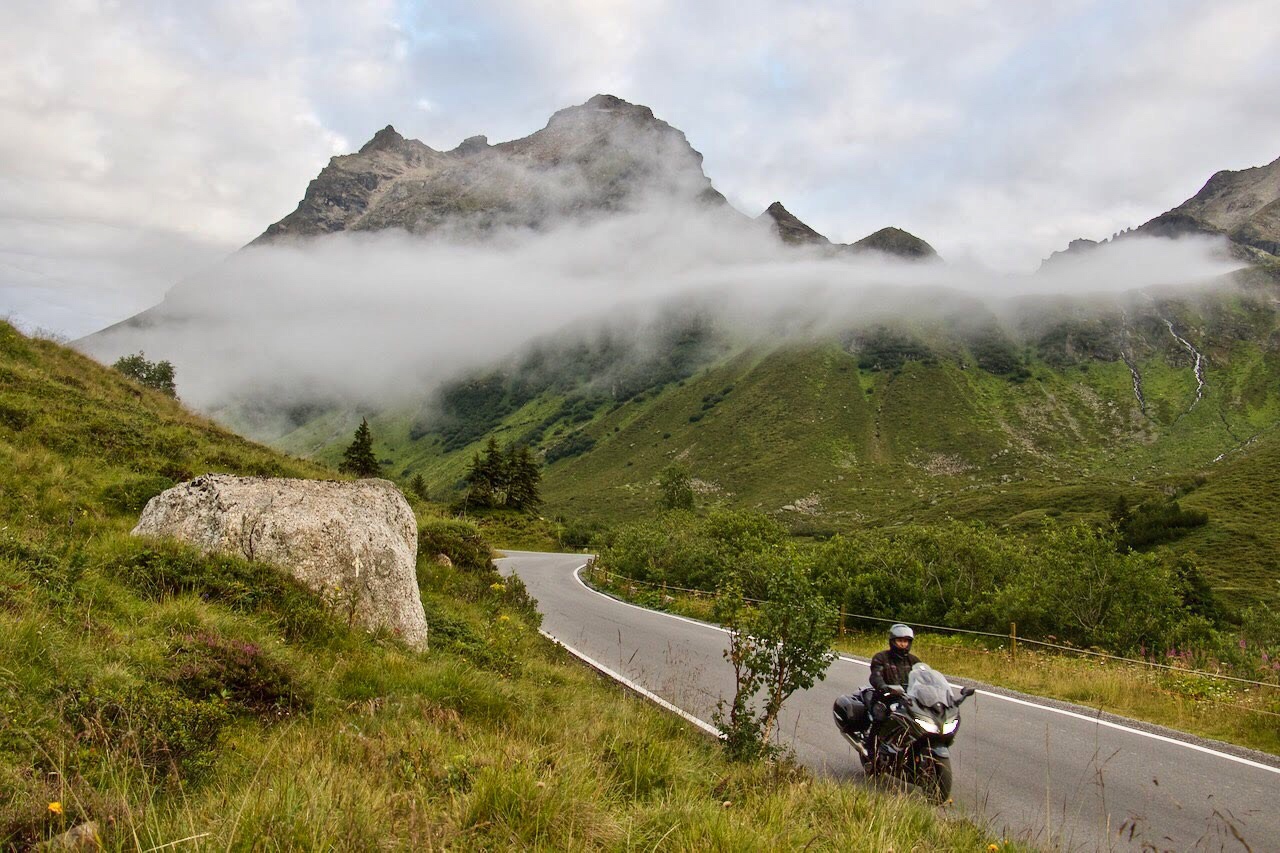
{"x": 355, "y": 544}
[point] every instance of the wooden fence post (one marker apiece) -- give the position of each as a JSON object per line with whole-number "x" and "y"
{"x": 841, "y": 623}
{"x": 1013, "y": 640}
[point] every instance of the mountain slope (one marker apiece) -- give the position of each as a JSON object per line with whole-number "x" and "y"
{"x": 1061, "y": 415}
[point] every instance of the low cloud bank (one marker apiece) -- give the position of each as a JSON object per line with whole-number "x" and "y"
{"x": 386, "y": 317}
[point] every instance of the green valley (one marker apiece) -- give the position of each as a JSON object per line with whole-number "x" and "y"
{"x": 1076, "y": 406}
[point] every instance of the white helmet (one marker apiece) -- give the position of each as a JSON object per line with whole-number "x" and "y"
{"x": 898, "y": 631}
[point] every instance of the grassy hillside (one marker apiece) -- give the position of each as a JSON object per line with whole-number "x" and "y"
{"x": 208, "y": 702}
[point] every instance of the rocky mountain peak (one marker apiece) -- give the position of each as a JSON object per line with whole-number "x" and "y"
{"x": 472, "y": 145}
{"x": 790, "y": 229}
{"x": 1242, "y": 205}
{"x": 603, "y": 155}
{"x": 386, "y": 139}
{"x": 895, "y": 241}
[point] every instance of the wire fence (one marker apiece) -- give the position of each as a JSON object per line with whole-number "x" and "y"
{"x": 1012, "y": 637}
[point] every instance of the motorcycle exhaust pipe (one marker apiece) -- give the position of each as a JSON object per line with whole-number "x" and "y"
{"x": 856, "y": 744}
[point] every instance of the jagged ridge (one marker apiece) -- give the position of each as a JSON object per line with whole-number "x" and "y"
{"x": 603, "y": 155}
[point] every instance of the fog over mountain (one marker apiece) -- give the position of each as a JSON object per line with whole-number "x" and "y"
{"x": 403, "y": 266}
{"x": 385, "y": 315}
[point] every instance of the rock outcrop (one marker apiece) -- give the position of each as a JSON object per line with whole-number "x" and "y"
{"x": 791, "y": 230}
{"x": 355, "y": 544}
{"x": 888, "y": 241}
{"x": 1243, "y": 205}
{"x": 895, "y": 241}
{"x": 604, "y": 155}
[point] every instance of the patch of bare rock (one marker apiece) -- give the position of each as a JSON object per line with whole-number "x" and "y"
{"x": 355, "y": 544}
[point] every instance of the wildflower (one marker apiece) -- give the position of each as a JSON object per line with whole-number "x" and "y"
{"x": 1243, "y": 645}
{"x": 993, "y": 847}
{"x": 55, "y": 807}
{"x": 497, "y": 587}
{"x": 504, "y": 618}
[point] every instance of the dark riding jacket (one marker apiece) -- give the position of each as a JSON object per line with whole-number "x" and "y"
{"x": 891, "y": 667}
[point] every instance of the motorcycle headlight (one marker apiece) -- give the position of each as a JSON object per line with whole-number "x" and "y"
{"x": 950, "y": 726}
{"x": 928, "y": 724}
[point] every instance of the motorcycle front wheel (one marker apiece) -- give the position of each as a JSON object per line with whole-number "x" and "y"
{"x": 934, "y": 779}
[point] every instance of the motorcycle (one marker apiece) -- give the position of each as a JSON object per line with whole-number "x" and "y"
{"x": 912, "y": 742}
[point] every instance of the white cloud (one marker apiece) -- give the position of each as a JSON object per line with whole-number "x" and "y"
{"x": 384, "y": 316}
{"x": 994, "y": 129}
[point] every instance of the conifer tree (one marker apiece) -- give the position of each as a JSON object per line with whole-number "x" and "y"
{"x": 419, "y": 486}
{"x": 358, "y": 458}
{"x": 503, "y": 478}
{"x": 525, "y": 478}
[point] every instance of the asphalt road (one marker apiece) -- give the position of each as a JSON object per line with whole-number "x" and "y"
{"x": 1051, "y": 774}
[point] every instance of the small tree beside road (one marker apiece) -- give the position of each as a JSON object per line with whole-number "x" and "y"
{"x": 776, "y": 647}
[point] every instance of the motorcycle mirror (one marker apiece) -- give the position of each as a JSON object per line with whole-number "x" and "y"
{"x": 967, "y": 691}
{"x": 897, "y": 690}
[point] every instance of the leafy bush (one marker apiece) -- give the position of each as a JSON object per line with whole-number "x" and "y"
{"x": 675, "y": 488}
{"x": 1079, "y": 587}
{"x": 883, "y": 348}
{"x": 775, "y": 648}
{"x": 691, "y": 551}
{"x": 165, "y": 732}
{"x": 575, "y": 444}
{"x": 1154, "y": 522}
{"x": 153, "y": 374}
{"x": 460, "y": 541}
{"x": 575, "y": 533}
{"x": 208, "y": 666}
{"x": 14, "y": 416}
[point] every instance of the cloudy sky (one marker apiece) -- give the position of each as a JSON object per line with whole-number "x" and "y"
{"x": 143, "y": 141}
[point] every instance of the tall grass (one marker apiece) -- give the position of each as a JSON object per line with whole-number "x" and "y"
{"x": 180, "y": 701}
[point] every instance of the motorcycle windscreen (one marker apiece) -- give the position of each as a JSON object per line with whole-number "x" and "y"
{"x": 927, "y": 686}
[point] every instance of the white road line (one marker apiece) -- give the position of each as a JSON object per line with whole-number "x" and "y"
{"x": 617, "y": 676}
{"x": 1089, "y": 719}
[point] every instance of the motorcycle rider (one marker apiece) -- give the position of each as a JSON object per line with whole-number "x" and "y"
{"x": 891, "y": 667}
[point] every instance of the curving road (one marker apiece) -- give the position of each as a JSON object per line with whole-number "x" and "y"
{"x": 1048, "y": 773}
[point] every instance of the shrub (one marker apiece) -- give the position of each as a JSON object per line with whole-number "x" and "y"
{"x": 776, "y": 648}
{"x": 152, "y": 374}
{"x": 675, "y": 488}
{"x": 573, "y": 445}
{"x": 1080, "y": 588}
{"x": 1154, "y": 522}
{"x": 460, "y": 541}
{"x": 164, "y": 731}
{"x": 208, "y": 666}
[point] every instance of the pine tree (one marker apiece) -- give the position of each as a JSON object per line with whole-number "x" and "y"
{"x": 496, "y": 472}
{"x": 358, "y": 458}
{"x": 525, "y": 478}
{"x": 479, "y": 482}
{"x": 419, "y": 487}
